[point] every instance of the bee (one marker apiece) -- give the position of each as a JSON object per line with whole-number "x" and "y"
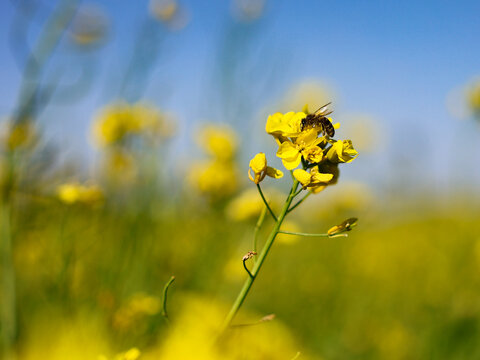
{"x": 319, "y": 119}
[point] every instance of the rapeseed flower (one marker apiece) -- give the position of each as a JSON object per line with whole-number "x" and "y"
{"x": 216, "y": 178}
{"x": 342, "y": 151}
{"x": 306, "y": 145}
{"x": 281, "y": 126}
{"x": 312, "y": 179}
{"x": 117, "y": 122}
{"x": 218, "y": 141}
{"x": 258, "y": 165}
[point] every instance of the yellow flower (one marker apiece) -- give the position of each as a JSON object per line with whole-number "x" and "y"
{"x": 305, "y": 145}
{"x": 473, "y": 97}
{"x": 89, "y": 26}
{"x": 312, "y": 179}
{"x": 245, "y": 206}
{"x": 131, "y": 354}
{"x": 284, "y": 125}
{"x": 215, "y": 178}
{"x": 219, "y": 141}
{"x": 163, "y": 10}
{"x": 72, "y": 193}
{"x": 342, "y": 151}
{"x": 19, "y": 135}
{"x": 120, "y": 120}
{"x": 258, "y": 165}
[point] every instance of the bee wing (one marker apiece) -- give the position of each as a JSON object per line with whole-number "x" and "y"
{"x": 324, "y": 110}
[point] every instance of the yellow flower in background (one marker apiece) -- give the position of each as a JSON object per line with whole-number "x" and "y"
{"x": 16, "y": 136}
{"x": 312, "y": 179}
{"x": 138, "y": 306}
{"x": 342, "y": 151}
{"x": 284, "y": 125}
{"x": 89, "y": 26}
{"x": 258, "y": 165}
{"x": 219, "y": 141}
{"x": 305, "y": 145}
{"x": 118, "y": 121}
{"x": 193, "y": 334}
{"x": 170, "y": 13}
{"x": 131, "y": 354}
{"x": 245, "y": 206}
{"x": 72, "y": 193}
{"x": 215, "y": 178}
{"x": 163, "y": 10}
{"x": 473, "y": 97}
{"x": 308, "y": 91}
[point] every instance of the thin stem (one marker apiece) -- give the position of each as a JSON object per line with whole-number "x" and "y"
{"x": 266, "y": 203}
{"x": 311, "y": 235}
{"x": 246, "y": 268}
{"x": 300, "y": 201}
{"x": 258, "y": 225}
{"x": 261, "y": 258}
{"x": 298, "y": 192}
{"x": 165, "y": 291}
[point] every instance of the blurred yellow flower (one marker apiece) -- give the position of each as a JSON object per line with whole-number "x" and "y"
{"x": 193, "y": 335}
{"x": 131, "y": 354}
{"x": 310, "y": 91}
{"x": 118, "y": 121}
{"x": 473, "y": 97}
{"x": 258, "y": 165}
{"x": 139, "y": 306}
{"x": 312, "y": 179}
{"x": 342, "y": 151}
{"x": 163, "y": 10}
{"x": 89, "y": 26}
{"x": 18, "y": 135}
{"x": 216, "y": 178}
{"x": 219, "y": 141}
{"x": 305, "y": 145}
{"x": 72, "y": 193}
{"x": 245, "y": 206}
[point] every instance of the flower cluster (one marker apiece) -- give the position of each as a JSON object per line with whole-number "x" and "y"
{"x": 217, "y": 176}
{"x": 308, "y": 146}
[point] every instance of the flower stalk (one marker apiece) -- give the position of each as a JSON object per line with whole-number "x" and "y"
{"x": 260, "y": 260}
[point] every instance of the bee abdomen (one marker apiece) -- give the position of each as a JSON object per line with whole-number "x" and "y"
{"x": 329, "y": 129}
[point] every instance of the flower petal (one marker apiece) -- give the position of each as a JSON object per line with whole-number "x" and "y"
{"x": 302, "y": 176}
{"x": 274, "y": 173}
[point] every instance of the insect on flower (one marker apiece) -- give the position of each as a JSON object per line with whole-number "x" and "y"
{"x": 319, "y": 119}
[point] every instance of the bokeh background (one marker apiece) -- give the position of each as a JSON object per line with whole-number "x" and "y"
{"x": 126, "y": 132}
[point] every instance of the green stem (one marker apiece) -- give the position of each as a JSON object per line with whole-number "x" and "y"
{"x": 165, "y": 291}
{"x": 258, "y": 225}
{"x": 261, "y": 258}
{"x": 8, "y": 315}
{"x": 266, "y": 203}
{"x": 246, "y": 268}
{"x": 300, "y": 201}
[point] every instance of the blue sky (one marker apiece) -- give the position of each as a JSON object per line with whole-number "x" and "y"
{"x": 395, "y": 61}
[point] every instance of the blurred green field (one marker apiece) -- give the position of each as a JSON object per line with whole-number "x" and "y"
{"x": 403, "y": 285}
